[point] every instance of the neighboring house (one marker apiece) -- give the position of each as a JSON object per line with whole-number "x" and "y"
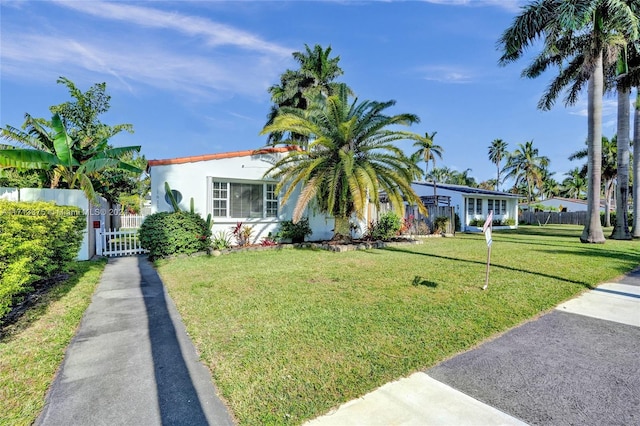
{"x": 560, "y": 204}
{"x": 471, "y": 204}
{"x": 232, "y": 188}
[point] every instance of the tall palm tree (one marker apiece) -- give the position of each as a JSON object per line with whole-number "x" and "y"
{"x": 61, "y": 155}
{"x": 635, "y": 229}
{"x": 314, "y": 77}
{"x": 428, "y": 151}
{"x": 525, "y": 165}
{"x": 497, "y": 152}
{"x": 576, "y": 35}
{"x": 621, "y": 228}
{"x": 350, "y": 158}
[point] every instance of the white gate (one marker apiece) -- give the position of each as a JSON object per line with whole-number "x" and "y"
{"x": 128, "y": 221}
{"x": 118, "y": 243}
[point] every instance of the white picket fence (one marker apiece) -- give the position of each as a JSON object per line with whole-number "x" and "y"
{"x": 118, "y": 242}
{"x": 128, "y": 220}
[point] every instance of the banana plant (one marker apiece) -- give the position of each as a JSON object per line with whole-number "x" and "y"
{"x": 57, "y": 152}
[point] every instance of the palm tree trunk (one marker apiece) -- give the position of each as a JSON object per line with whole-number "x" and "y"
{"x": 592, "y": 232}
{"x": 342, "y": 228}
{"x": 635, "y": 232}
{"x": 621, "y": 229}
{"x": 608, "y": 191}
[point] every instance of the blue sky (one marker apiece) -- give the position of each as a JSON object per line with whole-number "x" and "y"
{"x": 192, "y": 76}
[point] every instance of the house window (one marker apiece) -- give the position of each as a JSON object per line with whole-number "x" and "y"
{"x": 497, "y": 207}
{"x": 470, "y": 206}
{"x": 479, "y": 206}
{"x": 272, "y": 200}
{"x": 490, "y": 206}
{"x": 243, "y": 200}
{"x": 219, "y": 198}
{"x": 504, "y": 206}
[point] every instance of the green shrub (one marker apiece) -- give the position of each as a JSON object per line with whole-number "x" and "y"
{"x": 612, "y": 218}
{"x": 476, "y": 222}
{"x": 165, "y": 234}
{"x": 508, "y": 222}
{"x": 221, "y": 240}
{"x": 386, "y": 227}
{"x": 440, "y": 224}
{"x": 37, "y": 240}
{"x": 296, "y": 232}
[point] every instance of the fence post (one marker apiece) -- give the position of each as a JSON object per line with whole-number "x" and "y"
{"x": 99, "y": 248}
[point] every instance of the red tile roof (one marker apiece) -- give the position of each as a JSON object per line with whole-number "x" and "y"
{"x": 219, "y": 156}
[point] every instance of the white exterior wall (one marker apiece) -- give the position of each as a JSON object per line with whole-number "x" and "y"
{"x": 459, "y": 202}
{"x": 193, "y": 180}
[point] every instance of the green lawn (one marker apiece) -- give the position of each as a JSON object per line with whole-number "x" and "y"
{"x": 32, "y": 349}
{"x": 289, "y": 334}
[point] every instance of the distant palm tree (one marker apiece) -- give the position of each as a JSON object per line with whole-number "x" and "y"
{"x": 440, "y": 174}
{"x": 575, "y": 185}
{"x": 550, "y": 187}
{"x": 463, "y": 178}
{"x": 349, "y": 160}
{"x": 489, "y": 184}
{"x": 526, "y": 165}
{"x": 609, "y": 171}
{"x": 497, "y": 152}
{"x": 427, "y": 150}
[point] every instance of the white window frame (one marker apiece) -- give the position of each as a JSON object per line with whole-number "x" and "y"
{"x": 269, "y": 197}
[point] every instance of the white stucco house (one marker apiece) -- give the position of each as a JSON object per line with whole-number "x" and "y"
{"x": 232, "y": 187}
{"x": 561, "y": 204}
{"x": 472, "y": 204}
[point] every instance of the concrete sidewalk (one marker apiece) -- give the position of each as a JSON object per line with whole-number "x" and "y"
{"x": 579, "y": 364}
{"x": 131, "y": 362}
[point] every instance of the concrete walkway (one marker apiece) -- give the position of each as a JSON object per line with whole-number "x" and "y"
{"x": 131, "y": 362}
{"x": 577, "y": 365}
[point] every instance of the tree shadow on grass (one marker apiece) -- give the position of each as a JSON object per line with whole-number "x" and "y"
{"x": 494, "y": 265}
{"x": 34, "y": 304}
{"x": 598, "y": 253}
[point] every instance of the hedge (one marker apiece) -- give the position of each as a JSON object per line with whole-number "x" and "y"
{"x": 38, "y": 240}
{"x": 165, "y": 234}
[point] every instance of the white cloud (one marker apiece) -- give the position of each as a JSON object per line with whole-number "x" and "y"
{"x": 609, "y": 108}
{"x": 445, "y": 74}
{"x": 215, "y": 34}
{"x": 510, "y": 5}
{"x": 133, "y": 65}
{"x": 221, "y": 60}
